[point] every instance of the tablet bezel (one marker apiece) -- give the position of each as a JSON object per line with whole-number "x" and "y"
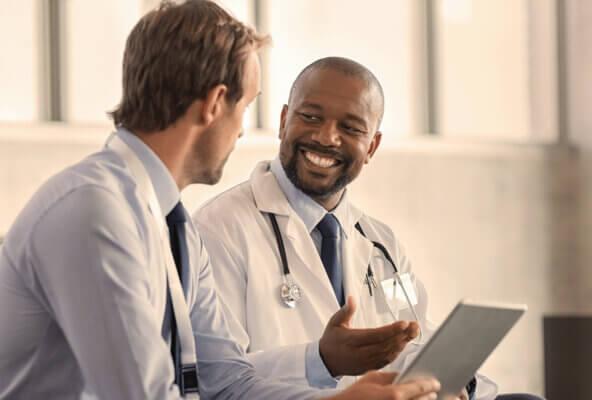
{"x": 467, "y": 337}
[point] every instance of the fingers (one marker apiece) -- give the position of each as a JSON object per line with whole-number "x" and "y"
{"x": 378, "y": 355}
{"x": 431, "y": 396}
{"x": 402, "y": 330}
{"x": 417, "y": 389}
{"x": 413, "y": 330}
{"x": 344, "y": 315}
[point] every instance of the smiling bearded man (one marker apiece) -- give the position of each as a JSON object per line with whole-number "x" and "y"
{"x": 290, "y": 249}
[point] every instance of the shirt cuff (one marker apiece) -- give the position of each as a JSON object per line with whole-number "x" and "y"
{"x": 317, "y": 374}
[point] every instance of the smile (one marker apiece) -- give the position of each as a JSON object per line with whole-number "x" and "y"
{"x": 320, "y": 161}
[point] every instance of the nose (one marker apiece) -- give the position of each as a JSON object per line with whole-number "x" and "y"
{"x": 328, "y": 134}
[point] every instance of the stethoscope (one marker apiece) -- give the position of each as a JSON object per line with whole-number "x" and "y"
{"x": 291, "y": 294}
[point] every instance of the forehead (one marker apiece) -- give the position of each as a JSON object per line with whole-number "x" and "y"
{"x": 334, "y": 90}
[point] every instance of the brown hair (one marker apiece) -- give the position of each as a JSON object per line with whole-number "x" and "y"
{"x": 175, "y": 55}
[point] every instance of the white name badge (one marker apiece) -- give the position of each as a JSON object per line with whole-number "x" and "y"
{"x": 397, "y": 297}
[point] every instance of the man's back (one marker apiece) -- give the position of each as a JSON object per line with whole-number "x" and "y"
{"x": 50, "y": 281}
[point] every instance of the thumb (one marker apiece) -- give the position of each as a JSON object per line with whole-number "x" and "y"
{"x": 344, "y": 315}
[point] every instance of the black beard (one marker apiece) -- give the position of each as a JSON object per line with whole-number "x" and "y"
{"x": 292, "y": 174}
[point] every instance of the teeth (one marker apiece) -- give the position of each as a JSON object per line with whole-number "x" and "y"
{"x": 323, "y": 162}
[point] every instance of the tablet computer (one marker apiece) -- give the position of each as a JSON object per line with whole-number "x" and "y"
{"x": 462, "y": 344}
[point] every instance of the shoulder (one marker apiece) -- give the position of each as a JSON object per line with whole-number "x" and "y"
{"x": 376, "y": 229}
{"x": 93, "y": 190}
{"x": 227, "y": 209}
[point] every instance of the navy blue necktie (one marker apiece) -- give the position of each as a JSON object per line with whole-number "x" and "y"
{"x": 176, "y": 222}
{"x": 329, "y": 228}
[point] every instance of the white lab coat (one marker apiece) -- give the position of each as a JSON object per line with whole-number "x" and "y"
{"x": 247, "y": 267}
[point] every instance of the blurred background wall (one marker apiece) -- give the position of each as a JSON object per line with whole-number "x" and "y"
{"x": 485, "y": 171}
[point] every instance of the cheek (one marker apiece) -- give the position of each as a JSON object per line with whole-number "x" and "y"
{"x": 358, "y": 154}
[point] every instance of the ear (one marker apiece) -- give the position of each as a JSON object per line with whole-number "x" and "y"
{"x": 283, "y": 121}
{"x": 373, "y": 146}
{"x": 214, "y": 104}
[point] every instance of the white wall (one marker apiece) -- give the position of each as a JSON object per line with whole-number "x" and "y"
{"x": 484, "y": 221}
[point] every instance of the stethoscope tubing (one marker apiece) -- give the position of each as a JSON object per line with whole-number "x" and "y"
{"x": 369, "y": 274}
{"x": 280, "y": 244}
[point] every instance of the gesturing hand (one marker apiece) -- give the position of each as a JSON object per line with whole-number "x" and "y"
{"x": 347, "y": 351}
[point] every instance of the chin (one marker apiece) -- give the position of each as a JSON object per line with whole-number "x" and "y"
{"x": 207, "y": 177}
{"x": 322, "y": 188}
{"x": 314, "y": 188}
{"x": 215, "y": 176}
{"x": 212, "y": 179}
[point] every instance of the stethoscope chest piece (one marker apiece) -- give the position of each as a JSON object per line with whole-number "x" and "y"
{"x": 290, "y": 294}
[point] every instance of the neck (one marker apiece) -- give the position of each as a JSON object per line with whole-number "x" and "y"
{"x": 172, "y": 145}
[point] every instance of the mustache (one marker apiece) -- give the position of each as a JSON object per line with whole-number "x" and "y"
{"x": 327, "y": 151}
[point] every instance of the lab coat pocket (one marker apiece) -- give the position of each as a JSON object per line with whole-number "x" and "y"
{"x": 400, "y": 295}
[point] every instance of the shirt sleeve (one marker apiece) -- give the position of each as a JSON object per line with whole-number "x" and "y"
{"x": 317, "y": 373}
{"x": 297, "y": 364}
{"x": 90, "y": 259}
{"x": 224, "y": 372}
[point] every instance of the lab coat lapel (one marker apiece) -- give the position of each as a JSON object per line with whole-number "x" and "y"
{"x": 356, "y": 256}
{"x": 305, "y": 263}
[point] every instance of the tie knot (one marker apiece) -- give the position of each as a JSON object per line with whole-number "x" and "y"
{"x": 177, "y": 215}
{"x": 329, "y": 227}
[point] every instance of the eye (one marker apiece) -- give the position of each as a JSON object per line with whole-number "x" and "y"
{"x": 352, "y": 129}
{"x": 309, "y": 117}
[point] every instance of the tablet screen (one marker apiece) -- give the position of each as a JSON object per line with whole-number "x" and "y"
{"x": 462, "y": 344}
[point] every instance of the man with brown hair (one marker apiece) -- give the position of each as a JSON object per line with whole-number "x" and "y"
{"x": 90, "y": 295}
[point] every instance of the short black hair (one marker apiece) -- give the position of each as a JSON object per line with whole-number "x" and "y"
{"x": 347, "y": 67}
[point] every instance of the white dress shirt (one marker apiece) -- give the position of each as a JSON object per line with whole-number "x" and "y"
{"x": 83, "y": 298}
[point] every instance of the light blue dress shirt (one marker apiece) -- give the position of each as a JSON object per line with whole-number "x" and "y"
{"x": 83, "y": 297}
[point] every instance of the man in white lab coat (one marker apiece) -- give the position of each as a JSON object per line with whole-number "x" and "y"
{"x": 298, "y": 204}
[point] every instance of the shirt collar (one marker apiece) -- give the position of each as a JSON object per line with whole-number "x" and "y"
{"x": 165, "y": 186}
{"x": 309, "y": 210}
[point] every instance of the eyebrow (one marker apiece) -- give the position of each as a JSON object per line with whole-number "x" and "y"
{"x": 311, "y": 105}
{"x": 355, "y": 118}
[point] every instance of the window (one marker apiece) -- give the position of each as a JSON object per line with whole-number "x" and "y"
{"x": 20, "y": 32}
{"x": 93, "y": 42}
{"x": 487, "y": 69}
{"x": 385, "y": 36}
{"x": 494, "y": 69}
